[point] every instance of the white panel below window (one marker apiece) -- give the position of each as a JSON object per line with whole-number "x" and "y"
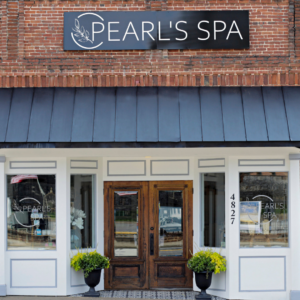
{"x": 170, "y": 167}
{"x": 34, "y": 273}
{"x": 77, "y": 278}
{"x": 262, "y": 274}
{"x": 218, "y": 282}
{"x": 126, "y": 168}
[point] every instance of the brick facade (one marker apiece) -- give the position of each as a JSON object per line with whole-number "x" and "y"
{"x": 31, "y": 48}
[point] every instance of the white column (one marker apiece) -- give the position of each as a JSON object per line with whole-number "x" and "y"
{"x": 63, "y": 226}
{"x": 232, "y": 228}
{"x": 100, "y": 216}
{"x": 294, "y": 228}
{"x": 196, "y": 212}
{"x": 2, "y": 227}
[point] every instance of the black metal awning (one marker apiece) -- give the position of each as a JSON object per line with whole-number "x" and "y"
{"x": 150, "y": 117}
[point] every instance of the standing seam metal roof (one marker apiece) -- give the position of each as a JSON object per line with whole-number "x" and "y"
{"x": 150, "y": 114}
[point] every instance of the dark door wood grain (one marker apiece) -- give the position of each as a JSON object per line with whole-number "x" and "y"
{"x": 126, "y": 272}
{"x": 163, "y": 240}
{"x": 170, "y": 270}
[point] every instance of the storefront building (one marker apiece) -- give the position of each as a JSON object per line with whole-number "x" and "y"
{"x": 146, "y": 135}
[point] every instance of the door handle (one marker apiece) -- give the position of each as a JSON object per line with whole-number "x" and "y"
{"x": 151, "y": 244}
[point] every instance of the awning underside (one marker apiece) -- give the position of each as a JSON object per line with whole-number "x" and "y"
{"x": 229, "y": 114}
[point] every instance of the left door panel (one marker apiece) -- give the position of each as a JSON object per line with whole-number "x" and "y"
{"x": 125, "y": 213}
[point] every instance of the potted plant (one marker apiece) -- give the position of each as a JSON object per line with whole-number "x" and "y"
{"x": 203, "y": 264}
{"x": 91, "y": 263}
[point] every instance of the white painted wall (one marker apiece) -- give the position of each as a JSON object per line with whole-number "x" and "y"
{"x": 294, "y": 258}
{"x": 2, "y": 230}
{"x": 234, "y": 284}
{"x": 212, "y": 164}
{"x": 15, "y": 259}
{"x": 76, "y": 283}
{"x": 238, "y": 273}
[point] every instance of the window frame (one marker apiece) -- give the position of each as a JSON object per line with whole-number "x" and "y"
{"x": 6, "y": 195}
{"x": 288, "y": 214}
{"x": 201, "y": 189}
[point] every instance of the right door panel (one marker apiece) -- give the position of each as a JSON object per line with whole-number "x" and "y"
{"x": 171, "y": 233}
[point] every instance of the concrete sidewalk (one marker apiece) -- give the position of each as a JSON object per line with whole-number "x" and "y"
{"x": 71, "y": 297}
{"x": 59, "y": 298}
{"x": 77, "y": 297}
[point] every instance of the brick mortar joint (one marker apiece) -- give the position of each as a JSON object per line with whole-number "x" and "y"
{"x": 88, "y": 3}
{"x": 267, "y": 79}
{"x": 12, "y": 31}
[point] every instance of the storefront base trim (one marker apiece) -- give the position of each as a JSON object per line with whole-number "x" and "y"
{"x": 3, "y": 290}
{"x": 295, "y": 295}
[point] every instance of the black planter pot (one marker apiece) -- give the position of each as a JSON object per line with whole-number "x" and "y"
{"x": 92, "y": 280}
{"x": 203, "y": 282}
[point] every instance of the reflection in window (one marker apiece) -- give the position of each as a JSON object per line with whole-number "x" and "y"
{"x": 82, "y": 211}
{"x": 213, "y": 209}
{"x": 126, "y": 223}
{"x": 31, "y": 212}
{"x": 264, "y": 209}
{"x": 170, "y": 223}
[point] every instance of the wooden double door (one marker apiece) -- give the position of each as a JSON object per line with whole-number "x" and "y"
{"x": 148, "y": 234}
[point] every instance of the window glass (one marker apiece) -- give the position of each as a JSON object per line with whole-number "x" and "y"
{"x": 126, "y": 224}
{"x": 31, "y": 212}
{"x": 213, "y": 209}
{"x": 82, "y": 211}
{"x": 264, "y": 209}
{"x": 170, "y": 223}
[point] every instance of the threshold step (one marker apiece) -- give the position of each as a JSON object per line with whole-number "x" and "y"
{"x": 150, "y": 294}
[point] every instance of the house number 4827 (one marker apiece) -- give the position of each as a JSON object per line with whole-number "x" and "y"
{"x": 232, "y": 215}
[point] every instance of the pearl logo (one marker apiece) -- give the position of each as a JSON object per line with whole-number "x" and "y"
{"x": 19, "y": 210}
{"x": 264, "y": 214}
{"x": 82, "y": 37}
{"x": 266, "y": 209}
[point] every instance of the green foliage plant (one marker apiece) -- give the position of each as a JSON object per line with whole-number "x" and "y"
{"x": 89, "y": 261}
{"x": 207, "y": 261}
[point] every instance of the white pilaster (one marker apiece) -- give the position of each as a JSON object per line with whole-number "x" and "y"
{"x": 63, "y": 226}
{"x": 100, "y": 217}
{"x": 294, "y": 228}
{"x": 232, "y": 227}
{"x": 2, "y": 227}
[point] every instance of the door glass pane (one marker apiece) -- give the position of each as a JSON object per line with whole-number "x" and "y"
{"x": 170, "y": 223}
{"x": 126, "y": 223}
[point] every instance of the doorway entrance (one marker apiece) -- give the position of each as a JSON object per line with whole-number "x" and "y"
{"x": 148, "y": 234}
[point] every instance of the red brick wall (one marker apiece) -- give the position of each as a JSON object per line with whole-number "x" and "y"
{"x": 31, "y": 48}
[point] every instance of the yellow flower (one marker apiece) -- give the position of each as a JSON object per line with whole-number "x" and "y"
{"x": 207, "y": 261}
{"x": 75, "y": 261}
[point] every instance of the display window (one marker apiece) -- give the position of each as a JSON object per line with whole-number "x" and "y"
{"x": 264, "y": 220}
{"x": 213, "y": 209}
{"x": 82, "y": 211}
{"x": 31, "y": 212}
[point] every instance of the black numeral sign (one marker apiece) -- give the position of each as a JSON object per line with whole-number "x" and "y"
{"x": 232, "y": 216}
